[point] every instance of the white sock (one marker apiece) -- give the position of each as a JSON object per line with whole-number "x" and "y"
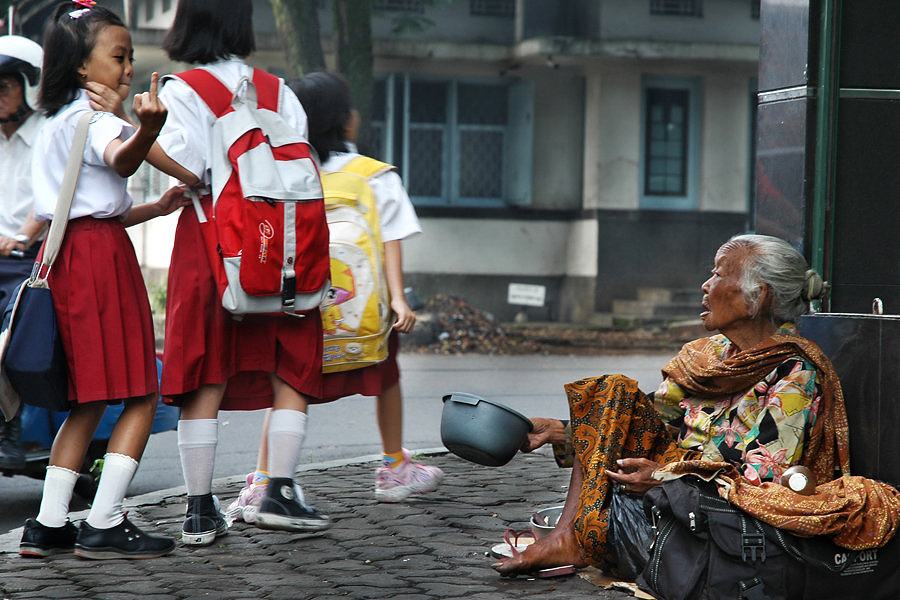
{"x": 106, "y": 511}
{"x": 59, "y": 484}
{"x": 287, "y": 430}
{"x": 197, "y": 440}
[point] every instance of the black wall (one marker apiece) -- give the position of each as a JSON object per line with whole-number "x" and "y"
{"x": 668, "y": 249}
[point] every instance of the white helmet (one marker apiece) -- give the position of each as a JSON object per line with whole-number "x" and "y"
{"x": 21, "y": 56}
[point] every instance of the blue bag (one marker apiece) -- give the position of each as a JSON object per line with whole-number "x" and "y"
{"x": 34, "y": 360}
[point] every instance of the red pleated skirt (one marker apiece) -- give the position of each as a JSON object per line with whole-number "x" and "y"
{"x": 103, "y": 313}
{"x": 205, "y": 345}
{"x": 368, "y": 381}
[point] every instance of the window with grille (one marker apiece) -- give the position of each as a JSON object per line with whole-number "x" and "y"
{"x": 450, "y": 139}
{"x": 166, "y": 5}
{"x": 754, "y": 8}
{"x": 680, "y": 8}
{"x": 416, "y": 6}
{"x": 492, "y": 8}
{"x": 666, "y": 145}
{"x": 149, "y": 9}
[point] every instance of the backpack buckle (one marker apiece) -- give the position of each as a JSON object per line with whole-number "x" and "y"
{"x": 752, "y": 589}
{"x": 288, "y": 292}
{"x": 753, "y": 544}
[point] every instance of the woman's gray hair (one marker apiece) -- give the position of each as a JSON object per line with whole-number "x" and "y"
{"x": 774, "y": 263}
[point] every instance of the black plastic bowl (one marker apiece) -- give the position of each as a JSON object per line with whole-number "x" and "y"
{"x": 481, "y": 431}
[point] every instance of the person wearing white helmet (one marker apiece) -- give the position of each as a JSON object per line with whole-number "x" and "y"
{"x": 20, "y": 68}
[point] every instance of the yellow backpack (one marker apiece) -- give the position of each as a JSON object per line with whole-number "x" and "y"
{"x": 356, "y": 311}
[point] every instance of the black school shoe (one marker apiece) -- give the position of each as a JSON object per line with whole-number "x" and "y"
{"x": 39, "y": 540}
{"x": 283, "y": 508}
{"x": 125, "y": 540}
{"x": 203, "y": 522}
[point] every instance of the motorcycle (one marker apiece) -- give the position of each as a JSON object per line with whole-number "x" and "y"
{"x": 39, "y": 427}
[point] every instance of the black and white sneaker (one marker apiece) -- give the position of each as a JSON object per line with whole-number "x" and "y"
{"x": 125, "y": 540}
{"x": 39, "y": 540}
{"x": 284, "y": 508}
{"x": 204, "y": 522}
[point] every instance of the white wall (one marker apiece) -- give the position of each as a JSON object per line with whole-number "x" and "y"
{"x": 612, "y": 138}
{"x": 723, "y": 21}
{"x": 725, "y": 147}
{"x": 503, "y": 247}
{"x": 558, "y": 138}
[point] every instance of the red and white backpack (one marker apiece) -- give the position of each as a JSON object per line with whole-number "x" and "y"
{"x": 267, "y": 236}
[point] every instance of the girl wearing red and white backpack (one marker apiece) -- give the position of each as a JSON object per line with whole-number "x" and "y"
{"x": 213, "y": 361}
{"x": 101, "y": 304}
{"x": 333, "y": 126}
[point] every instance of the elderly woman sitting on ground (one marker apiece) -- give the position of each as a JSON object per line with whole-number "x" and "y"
{"x": 758, "y": 396}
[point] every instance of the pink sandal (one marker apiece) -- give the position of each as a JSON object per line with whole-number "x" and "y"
{"x": 514, "y": 543}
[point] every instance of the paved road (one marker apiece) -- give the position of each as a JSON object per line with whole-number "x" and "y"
{"x": 346, "y": 428}
{"x": 431, "y": 547}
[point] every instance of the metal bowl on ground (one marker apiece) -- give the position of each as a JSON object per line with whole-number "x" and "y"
{"x": 544, "y": 521}
{"x": 482, "y": 431}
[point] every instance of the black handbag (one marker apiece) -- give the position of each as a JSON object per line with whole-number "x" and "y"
{"x": 706, "y": 549}
{"x": 32, "y": 361}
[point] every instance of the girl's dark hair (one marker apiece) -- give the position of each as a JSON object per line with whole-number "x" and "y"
{"x": 205, "y": 31}
{"x": 326, "y": 99}
{"x": 68, "y": 43}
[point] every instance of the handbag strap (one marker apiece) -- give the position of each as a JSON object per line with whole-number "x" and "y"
{"x": 64, "y": 199}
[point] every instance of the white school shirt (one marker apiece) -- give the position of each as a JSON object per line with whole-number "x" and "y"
{"x": 395, "y": 210}
{"x": 17, "y": 199}
{"x": 101, "y": 191}
{"x": 186, "y": 136}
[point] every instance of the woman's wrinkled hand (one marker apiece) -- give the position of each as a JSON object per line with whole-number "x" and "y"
{"x": 149, "y": 110}
{"x": 544, "y": 431}
{"x": 636, "y": 474}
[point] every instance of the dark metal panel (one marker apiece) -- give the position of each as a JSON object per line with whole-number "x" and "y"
{"x": 788, "y": 44}
{"x": 867, "y": 205}
{"x": 864, "y": 350}
{"x": 869, "y": 44}
{"x": 857, "y": 298}
{"x": 784, "y": 168}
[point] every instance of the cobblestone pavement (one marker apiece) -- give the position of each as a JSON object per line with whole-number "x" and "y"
{"x": 432, "y": 546}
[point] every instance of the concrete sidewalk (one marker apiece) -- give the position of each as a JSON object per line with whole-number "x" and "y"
{"x": 429, "y": 547}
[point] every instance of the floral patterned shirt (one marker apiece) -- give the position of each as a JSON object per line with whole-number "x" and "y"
{"x": 762, "y": 430}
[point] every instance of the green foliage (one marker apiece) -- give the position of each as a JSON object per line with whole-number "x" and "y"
{"x": 157, "y": 293}
{"x": 409, "y": 23}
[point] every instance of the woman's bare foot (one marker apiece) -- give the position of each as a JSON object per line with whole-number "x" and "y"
{"x": 555, "y": 550}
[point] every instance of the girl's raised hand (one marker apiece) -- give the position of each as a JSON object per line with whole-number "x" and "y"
{"x": 149, "y": 110}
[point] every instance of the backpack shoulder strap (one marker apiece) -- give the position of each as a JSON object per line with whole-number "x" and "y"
{"x": 212, "y": 91}
{"x": 366, "y": 167}
{"x": 267, "y": 88}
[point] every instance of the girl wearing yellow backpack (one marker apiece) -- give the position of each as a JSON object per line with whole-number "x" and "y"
{"x": 332, "y": 130}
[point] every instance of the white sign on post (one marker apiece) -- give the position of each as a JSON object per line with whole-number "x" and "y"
{"x": 526, "y": 294}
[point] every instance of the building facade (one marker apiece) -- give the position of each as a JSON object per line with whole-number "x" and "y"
{"x": 594, "y": 147}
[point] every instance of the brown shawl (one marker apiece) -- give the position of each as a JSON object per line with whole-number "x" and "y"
{"x": 700, "y": 372}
